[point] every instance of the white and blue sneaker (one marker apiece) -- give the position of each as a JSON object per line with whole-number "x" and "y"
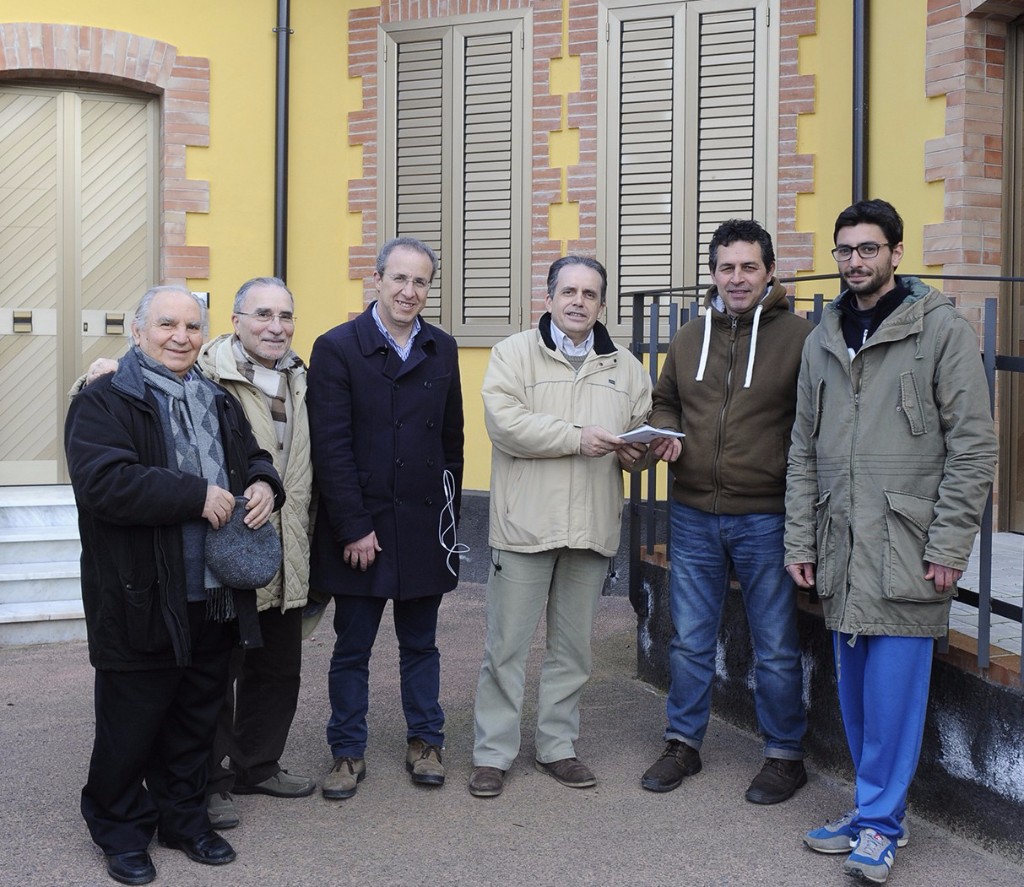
{"x": 839, "y": 836}
{"x": 872, "y": 857}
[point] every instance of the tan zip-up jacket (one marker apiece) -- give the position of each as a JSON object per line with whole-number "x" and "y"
{"x": 544, "y": 494}
{"x": 290, "y": 587}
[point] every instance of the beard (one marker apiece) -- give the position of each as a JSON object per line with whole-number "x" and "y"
{"x": 866, "y": 287}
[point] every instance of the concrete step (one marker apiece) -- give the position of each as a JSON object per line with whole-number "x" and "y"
{"x": 37, "y": 506}
{"x": 59, "y": 581}
{"x": 41, "y": 622}
{"x": 39, "y": 545}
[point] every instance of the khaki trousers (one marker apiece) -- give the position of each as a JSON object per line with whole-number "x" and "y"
{"x": 564, "y": 584}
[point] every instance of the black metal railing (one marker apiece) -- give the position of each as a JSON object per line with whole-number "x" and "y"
{"x": 658, "y": 314}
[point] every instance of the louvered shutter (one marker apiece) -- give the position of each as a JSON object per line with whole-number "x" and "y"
{"x": 460, "y": 180}
{"x": 687, "y": 88}
{"x": 419, "y": 161}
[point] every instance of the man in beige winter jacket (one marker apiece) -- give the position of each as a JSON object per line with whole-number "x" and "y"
{"x": 555, "y": 400}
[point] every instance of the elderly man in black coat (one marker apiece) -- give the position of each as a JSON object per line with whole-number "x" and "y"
{"x": 386, "y": 429}
{"x": 157, "y": 455}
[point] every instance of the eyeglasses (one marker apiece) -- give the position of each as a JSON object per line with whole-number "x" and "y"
{"x": 265, "y": 316}
{"x": 866, "y": 250}
{"x": 418, "y": 283}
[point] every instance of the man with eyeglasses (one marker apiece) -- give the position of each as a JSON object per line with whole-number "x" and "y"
{"x": 892, "y": 457}
{"x": 256, "y": 363}
{"x": 387, "y": 434}
{"x": 258, "y": 366}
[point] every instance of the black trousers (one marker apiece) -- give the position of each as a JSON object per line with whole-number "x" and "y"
{"x": 156, "y": 726}
{"x": 259, "y": 704}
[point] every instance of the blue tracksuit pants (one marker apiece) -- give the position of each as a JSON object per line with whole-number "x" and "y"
{"x": 883, "y": 694}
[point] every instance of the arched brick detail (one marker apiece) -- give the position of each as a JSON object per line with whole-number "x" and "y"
{"x": 98, "y": 55}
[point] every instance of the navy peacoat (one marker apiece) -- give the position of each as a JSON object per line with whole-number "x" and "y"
{"x": 383, "y": 432}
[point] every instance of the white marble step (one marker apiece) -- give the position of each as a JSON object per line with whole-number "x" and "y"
{"x": 39, "y": 545}
{"x": 58, "y": 582}
{"x": 41, "y": 622}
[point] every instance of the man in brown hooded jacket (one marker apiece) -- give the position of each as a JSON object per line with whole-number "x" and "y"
{"x": 729, "y": 383}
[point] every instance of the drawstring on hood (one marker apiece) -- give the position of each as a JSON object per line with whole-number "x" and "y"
{"x": 719, "y": 305}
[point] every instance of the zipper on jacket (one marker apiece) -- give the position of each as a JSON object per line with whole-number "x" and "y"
{"x": 716, "y": 468}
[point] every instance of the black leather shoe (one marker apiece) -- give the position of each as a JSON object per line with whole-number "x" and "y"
{"x": 777, "y": 782}
{"x": 677, "y": 761}
{"x": 209, "y": 848}
{"x": 131, "y": 868}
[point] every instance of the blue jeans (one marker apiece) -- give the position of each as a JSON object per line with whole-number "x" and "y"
{"x": 703, "y": 547}
{"x": 356, "y": 620}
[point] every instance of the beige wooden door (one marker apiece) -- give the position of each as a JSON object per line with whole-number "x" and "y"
{"x": 77, "y": 249}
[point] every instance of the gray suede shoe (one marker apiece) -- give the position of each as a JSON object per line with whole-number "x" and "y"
{"x": 220, "y": 807}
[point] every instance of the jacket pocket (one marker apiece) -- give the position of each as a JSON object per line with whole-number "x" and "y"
{"x": 825, "y": 535}
{"x": 910, "y": 403}
{"x": 819, "y": 406}
{"x": 907, "y": 518}
{"x": 144, "y": 620}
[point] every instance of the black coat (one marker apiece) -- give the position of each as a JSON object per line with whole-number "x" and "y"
{"x": 131, "y": 505}
{"x": 382, "y": 433}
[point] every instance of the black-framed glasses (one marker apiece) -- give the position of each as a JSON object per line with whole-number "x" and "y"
{"x": 265, "y": 316}
{"x": 866, "y": 250}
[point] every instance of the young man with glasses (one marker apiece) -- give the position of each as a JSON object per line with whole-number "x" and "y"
{"x": 892, "y": 457}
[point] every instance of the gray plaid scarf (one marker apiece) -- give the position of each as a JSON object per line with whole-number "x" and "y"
{"x": 193, "y": 432}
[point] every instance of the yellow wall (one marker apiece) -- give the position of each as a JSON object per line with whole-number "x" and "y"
{"x": 237, "y": 37}
{"x": 900, "y": 119}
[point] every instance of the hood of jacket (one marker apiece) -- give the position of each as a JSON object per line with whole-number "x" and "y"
{"x": 773, "y": 301}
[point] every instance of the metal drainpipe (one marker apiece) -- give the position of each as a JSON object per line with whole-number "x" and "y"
{"x": 860, "y": 99}
{"x": 283, "y": 32}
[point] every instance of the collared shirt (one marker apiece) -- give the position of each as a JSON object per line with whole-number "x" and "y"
{"x": 566, "y": 345}
{"x": 402, "y": 351}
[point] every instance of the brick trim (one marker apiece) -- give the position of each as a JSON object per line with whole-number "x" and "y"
{"x": 34, "y": 50}
{"x": 965, "y": 62}
{"x": 795, "y": 249}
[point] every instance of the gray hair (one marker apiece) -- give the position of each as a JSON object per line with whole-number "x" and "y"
{"x": 146, "y": 302}
{"x": 586, "y": 262}
{"x": 243, "y": 290}
{"x": 408, "y": 243}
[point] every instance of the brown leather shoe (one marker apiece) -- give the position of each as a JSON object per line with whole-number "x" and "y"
{"x": 486, "y": 782}
{"x": 344, "y": 778}
{"x": 677, "y": 761}
{"x": 569, "y": 771}
{"x": 423, "y": 761}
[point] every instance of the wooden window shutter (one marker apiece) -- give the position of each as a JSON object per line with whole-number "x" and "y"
{"x": 458, "y": 137}
{"x": 686, "y": 139}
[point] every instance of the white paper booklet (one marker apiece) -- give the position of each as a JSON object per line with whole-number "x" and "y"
{"x": 646, "y": 433}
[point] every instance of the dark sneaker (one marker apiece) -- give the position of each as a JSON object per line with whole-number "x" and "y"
{"x": 220, "y": 807}
{"x": 486, "y": 782}
{"x": 778, "y": 781}
{"x": 281, "y": 785}
{"x": 677, "y": 761}
{"x": 423, "y": 761}
{"x": 569, "y": 771}
{"x": 872, "y": 857}
{"x": 344, "y": 778}
{"x": 840, "y": 836}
